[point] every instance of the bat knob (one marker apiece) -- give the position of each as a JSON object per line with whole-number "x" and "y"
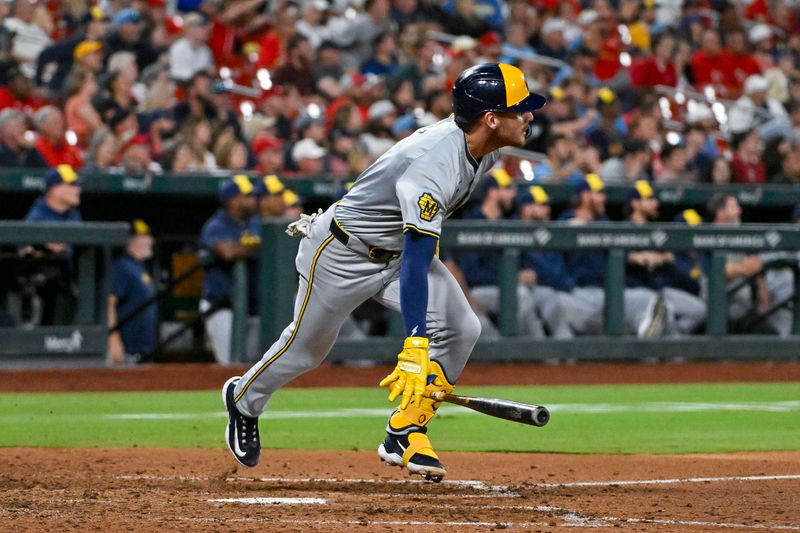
{"x": 541, "y": 416}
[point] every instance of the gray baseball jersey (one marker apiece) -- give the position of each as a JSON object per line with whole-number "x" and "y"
{"x": 418, "y": 183}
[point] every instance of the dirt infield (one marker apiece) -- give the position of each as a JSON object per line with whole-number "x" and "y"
{"x": 202, "y": 490}
{"x": 205, "y": 377}
{"x": 169, "y": 490}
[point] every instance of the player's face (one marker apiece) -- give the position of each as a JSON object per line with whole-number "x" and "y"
{"x": 598, "y": 199}
{"x": 512, "y": 127}
{"x": 649, "y": 208}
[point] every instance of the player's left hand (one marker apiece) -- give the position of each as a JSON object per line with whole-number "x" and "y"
{"x": 410, "y": 376}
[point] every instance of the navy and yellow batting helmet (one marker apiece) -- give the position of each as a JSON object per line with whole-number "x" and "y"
{"x": 494, "y": 87}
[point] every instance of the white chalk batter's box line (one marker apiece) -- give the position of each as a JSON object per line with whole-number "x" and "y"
{"x": 448, "y": 410}
{"x": 473, "y": 483}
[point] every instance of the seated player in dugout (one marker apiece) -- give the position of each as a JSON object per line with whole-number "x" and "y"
{"x": 547, "y": 271}
{"x": 535, "y": 317}
{"x": 644, "y": 310}
{"x": 659, "y": 271}
{"x": 132, "y": 288}
{"x": 380, "y": 242}
{"x": 229, "y": 237}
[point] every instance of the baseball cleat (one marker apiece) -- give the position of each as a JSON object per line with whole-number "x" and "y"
{"x": 393, "y": 449}
{"x": 241, "y": 435}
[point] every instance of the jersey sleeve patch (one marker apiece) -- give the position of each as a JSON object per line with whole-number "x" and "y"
{"x": 428, "y": 207}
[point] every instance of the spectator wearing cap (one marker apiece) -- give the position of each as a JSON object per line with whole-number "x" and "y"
{"x": 551, "y": 39}
{"x": 747, "y": 165}
{"x": 553, "y": 281}
{"x": 268, "y": 151}
{"x": 191, "y": 53}
{"x": 377, "y": 137}
{"x": 561, "y": 165}
{"x": 762, "y": 39}
{"x": 55, "y": 62}
{"x": 15, "y": 89}
{"x": 308, "y": 156}
{"x": 608, "y": 135}
{"x": 311, "y": 23}
{"x": 30, "y": 34}
{"x": 132, "y": 287}
{"x": 88, "y": 55}
{"x": 229, "y": 238}
{"x": 658, "y": 271}
{"x": 631, "y": 166}
{"x": 754, "y": 109}
{"x": 127, "y": 34}
{"x": 80, "y": 115}
{"x": 481, "y": 269}
{"x": 659, "y": 68}
{"x": 642, "y": 314}
{"x": 15, "y": 150}
{"x": 51, "y": 142}
{"x": 383, "y": 61}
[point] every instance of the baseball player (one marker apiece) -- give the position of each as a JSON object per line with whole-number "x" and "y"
{"x": 380, "y": 242}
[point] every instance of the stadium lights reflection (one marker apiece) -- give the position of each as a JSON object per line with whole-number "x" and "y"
{"x": 30, "y": 136}
{"x": 438, "y": 59}
{"x": 313, "y": 110}
{"x": 225, "y": 73}
{"x": 72, "y": 139}
{"x": 264, "y": 79}
{"x": 624, "y": 34}
{"x": 526, "y": 168}
{"x": 663, "y": 103}
{"x": 350, "y": 13}
{"x": 673, "y": 138}
{"x": 720, "y": 113}
{"x": 625, "y": 59}
{"x": 680, "y": 98}
{"x": 246, "y": 109}
{"x": 711, "y": 94}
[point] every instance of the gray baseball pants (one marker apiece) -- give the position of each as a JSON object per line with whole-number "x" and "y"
{"x": 334, "y": 280}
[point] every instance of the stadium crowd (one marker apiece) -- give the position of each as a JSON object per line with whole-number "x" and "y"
{"x": 704, "y": 91}
{"x": 640, "y": 92}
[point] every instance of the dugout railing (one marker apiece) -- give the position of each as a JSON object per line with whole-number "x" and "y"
{"x": 278, "y": 283}
{"x": 89, "y": 265}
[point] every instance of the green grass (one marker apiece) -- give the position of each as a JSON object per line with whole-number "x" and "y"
{"x": 631, "y": 419}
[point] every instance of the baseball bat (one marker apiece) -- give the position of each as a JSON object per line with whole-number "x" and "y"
{"x": 534, "y": 415}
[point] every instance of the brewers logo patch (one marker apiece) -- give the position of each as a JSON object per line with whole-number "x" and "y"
{"x": 428, "y": 207}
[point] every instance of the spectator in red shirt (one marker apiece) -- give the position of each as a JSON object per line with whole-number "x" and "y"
{"x": 297, "y": 69}
{"x": 747, "y": 166}
{"x": 712, "y": 66}
{"x": 742, "y": 61}
{"x": 659, "y": 69}
{"x": 51, "y": 142}
{"x": 15, "y": 89}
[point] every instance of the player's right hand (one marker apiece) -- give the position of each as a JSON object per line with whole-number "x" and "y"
{"x": 410, "y": 376}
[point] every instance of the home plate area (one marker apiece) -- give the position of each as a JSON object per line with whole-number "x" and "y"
{"x": 178, "y": 490}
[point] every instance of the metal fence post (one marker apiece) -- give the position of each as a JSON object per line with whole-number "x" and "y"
{"x": 239, "y": 304}
{"x": 509, "y": 267}
{"x": 717, "y": 297}
{"x": 87, "y": 286}
{"x": 615, "y": 292}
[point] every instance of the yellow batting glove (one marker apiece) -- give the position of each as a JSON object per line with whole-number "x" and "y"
{"x": 410, "y": 376}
